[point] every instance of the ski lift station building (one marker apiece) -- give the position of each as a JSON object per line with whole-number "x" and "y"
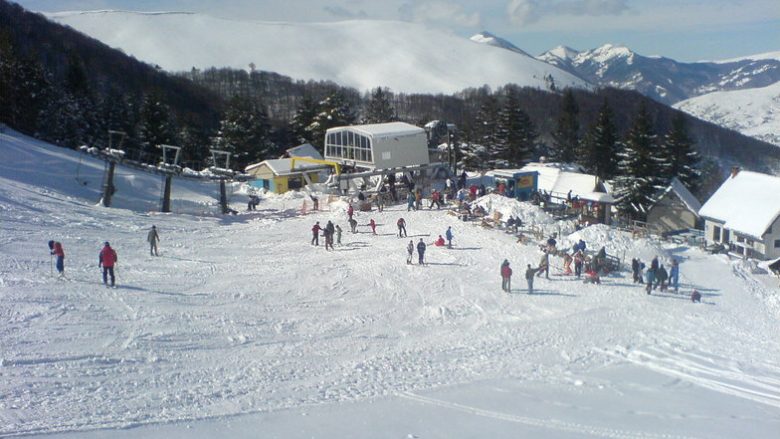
{"x": 377, "y": 146}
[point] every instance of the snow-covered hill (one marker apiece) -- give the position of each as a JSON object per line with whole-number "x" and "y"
{"x": 660, "y": 78}
{"x": 242, "y": 316}
{"x": 754, "y": 112}
{"x": 407, "y": 57}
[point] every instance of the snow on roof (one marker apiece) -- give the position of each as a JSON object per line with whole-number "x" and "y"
{"x": 383, "y": 129}
{"x": 747, "y": 203}
{"x": 305, "y": 150}
{"x": 283, "y": 166}
{"x": 561, "y": 178}
{"x": 682, "y": 192}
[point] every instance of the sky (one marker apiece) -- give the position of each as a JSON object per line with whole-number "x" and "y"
{"x": 686, "y": 30}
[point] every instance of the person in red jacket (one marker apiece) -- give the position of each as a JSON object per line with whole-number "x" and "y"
{"x": 372, "y": 223}
{"x": 506, "y": 276}
{"x": 56, "y": 250}
{"x": 439, "y": 242}
{"x": 350, "y": 211}
{"x": 315, "y": 234}
{"x": 107, "y": 259}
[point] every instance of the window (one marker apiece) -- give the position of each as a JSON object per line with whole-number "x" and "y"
{"x": 777, "y": 243}
{"x": 715, "y": 233}
{"x": 740, "y": 239}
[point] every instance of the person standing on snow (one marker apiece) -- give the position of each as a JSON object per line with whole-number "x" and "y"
{"x": 410, "y": 201}
{"x": 449, "y": 236}
{"x": 353, "y": 225}
{"x": 56, "y": 249}
{"x": 529, "y": 277}
{"x": 544, "y": 265}
{"x": 674, "y": 275}
{"x": 329, "y": 231}
{"x": 661, "y": 277}
{"x": 106, "y": 259}
{"x": 350, "y": 211}
{"x": 651, "y": 274}
{"x": 635, "y": 269}
{"x": 153, "y": 238}
{"x": 410, "y": 251}
{"x": 372, "y": 224}
{"x": 315, "y": 234}
{"x": 579, "y": 259}
{"x": 401, "y": 227}
{"x": 421, "y": 251}
{"x": 506, "y": 276}
{"x": 338, "y": 234}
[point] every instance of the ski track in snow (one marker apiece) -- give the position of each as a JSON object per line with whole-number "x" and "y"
{"x": 242, "y": 315}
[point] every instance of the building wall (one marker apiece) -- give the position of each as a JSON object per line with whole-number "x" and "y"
{"x": 772, "y": 252}
{"x": 742, "y": 244}
{"x": 394, "y": 151}
{"x": 671, "y": 214}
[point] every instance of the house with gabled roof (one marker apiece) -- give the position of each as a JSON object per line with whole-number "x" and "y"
{"x": 744, "y": 215}
{"x": 675, "y": 209}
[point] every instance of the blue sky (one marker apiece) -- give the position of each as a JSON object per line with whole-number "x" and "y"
{"x": 686, "y": 30}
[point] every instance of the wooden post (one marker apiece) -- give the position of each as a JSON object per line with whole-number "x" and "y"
{"x": 223, "y": 196}
{"x": 108, "y": 188}
{"x": 166, "y": 204}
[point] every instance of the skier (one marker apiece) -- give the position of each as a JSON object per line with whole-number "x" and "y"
{"x": 401, "y": 228}
{"x": 635, "y": 269}
{"x": 153, "y": 238}
{"x": 439, "y": 242}
{"x": 350, "y": 211}
{"x": 410, "y": 201}
{"x": 421, "y": 251}
{"x": 435, "y": 199}
{"x": 578, "y": 260}
{"x": 674, "y": 275}
{"x": 56, "y": 250}
{"x": 544, "y": 265}
{"x": 329, "y": 231}
{"x": 372, "y": 224}
{"x": 449, "y": 236}
{"x": 338, "y": 234}
{"x": 315, "y": 234}
{"x": 410, "y": 251}
{"x": 106, "y": 259}
{"x": 506, "y": 276}
{"x": 353, "y": 225}
{"x": 529, "y": 277}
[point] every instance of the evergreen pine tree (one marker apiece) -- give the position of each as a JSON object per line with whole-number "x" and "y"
{"x": 598, "y": 153}
{"x": 156, "y": 127}
{"x": 683, "y": 159}
{"x": 244, "y": 131}
{"x": 303, "y": 120}
{"x": 379, "y": 109}
{"x": 485, "y": 131}
{"x": 333, "y": 111}
{"x": 639, "y": 170}
{"x": 515, "y": 133}
{"x": 566, "y": 134}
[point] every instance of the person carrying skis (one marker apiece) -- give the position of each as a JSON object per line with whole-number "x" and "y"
{"x": 449, "y": 236}
{"x": 338, "y": 234}
{"x": 56, "y": 250}
{"x": 372, "y": 224}
{"x": 506, "y": 276}
{"x": 153, "y": 238}
{"x": 529, "y": 277}
{"x": 421, "y": 251}
{"x": 674, "y": 275}
{"x": 315, "y": 234}
{"x": 106, "y": 259}
{"x": 401, "y": 223}
{"x": 409, "y": 251}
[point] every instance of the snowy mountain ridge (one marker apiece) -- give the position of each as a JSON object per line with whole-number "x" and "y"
{"x": 406, "y": 57}
{"x": 486, "y": 37}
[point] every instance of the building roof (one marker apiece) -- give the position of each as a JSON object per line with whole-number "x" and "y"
{"x": 305, "y": 150}
{"x": 560, "y": 179}
{"x": 682, "y": 192}
{"x": 384, "y": 129}
{"x": 284, "y": 166}
{"x": 747, "y": 203}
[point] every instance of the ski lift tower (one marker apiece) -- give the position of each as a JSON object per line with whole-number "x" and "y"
{"x": 221, "y": 157}
{"x": 112, "y": 155}
{"x": 169, "y": 167}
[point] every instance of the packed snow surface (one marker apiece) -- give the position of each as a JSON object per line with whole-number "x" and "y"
{"x": 241, "y": 315}
{"x": 406, "y": 57}
{"x": 753, "y": 112}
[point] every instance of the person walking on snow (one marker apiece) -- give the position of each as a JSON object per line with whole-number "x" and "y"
{"x": 661, "y": 277}
{"x": 107, "y": 259}
{"x": 153, "y": 238}
{"x": 506, "y": 276}
{"x": 353, "y": 225}
{"x": 410, "y": 201}
{"x": 350, "y": 211}
{"x": 421, "y": 251}
{"x": 315, "y": 234}
{"x": 372, "y": 224}
{"x": 579, "y": 259}
{"x": 410, "y": 251}
{"x": 329, "y": 231}
{"x": 401, "y": 227}
{"x": 674, "y": 275}
{"x": 529, "y": 277}
{"x": 338, "y": 234}
{"x": 56, "y": 250}
{"x": 449, "y": 236}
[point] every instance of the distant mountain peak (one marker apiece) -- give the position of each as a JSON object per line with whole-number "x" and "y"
{"x": 490, "y": 39}
{"x": 563, "y": 52}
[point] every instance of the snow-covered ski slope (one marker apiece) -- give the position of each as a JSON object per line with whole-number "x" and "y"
{"x": 242, "y": 329}
{"x": 406, "y": 57}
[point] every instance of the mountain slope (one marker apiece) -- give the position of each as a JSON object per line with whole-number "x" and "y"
{"x": 662, "y": 79}
{"x": 363, "y": 54}
{"x": 754, "y": 112}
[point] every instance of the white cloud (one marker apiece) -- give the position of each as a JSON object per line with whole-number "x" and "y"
{"x": 440, "y": 12}
{"x": 530, "y": 11}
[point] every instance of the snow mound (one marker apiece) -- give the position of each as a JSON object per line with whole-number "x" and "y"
{"x": 617, "y": 243}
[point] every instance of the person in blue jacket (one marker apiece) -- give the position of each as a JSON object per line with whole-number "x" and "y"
{"x": 674, "y": 275}
{"x": 449, "y": 236}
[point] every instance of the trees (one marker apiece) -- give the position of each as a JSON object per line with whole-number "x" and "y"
{"x": 683, "y": 160}
{"x": 599, "y": 148}
{"x": 378, "y": 108}
{"x": 516, "y": 133}
{"x": 244, "y": 131}
{"x": 333, "y": 111}
{"x": 303, "y": 119}
{"x": 566, "y": 134}
{"x": 639, "y": 167}
{"x": 156, "y": 126}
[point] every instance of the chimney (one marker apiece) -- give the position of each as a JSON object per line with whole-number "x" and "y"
{"x": 734, "y": 171}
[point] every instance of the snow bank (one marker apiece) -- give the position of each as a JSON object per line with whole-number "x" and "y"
{"x": 617, "y": 242}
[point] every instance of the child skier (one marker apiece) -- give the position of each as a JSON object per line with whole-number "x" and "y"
{"x": 410, "y": 251}
{"x": 153, "y": 238}
{"x": 56, "y": 250}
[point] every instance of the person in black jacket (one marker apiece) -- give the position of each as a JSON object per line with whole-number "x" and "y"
{"x": 421, "y": 251}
